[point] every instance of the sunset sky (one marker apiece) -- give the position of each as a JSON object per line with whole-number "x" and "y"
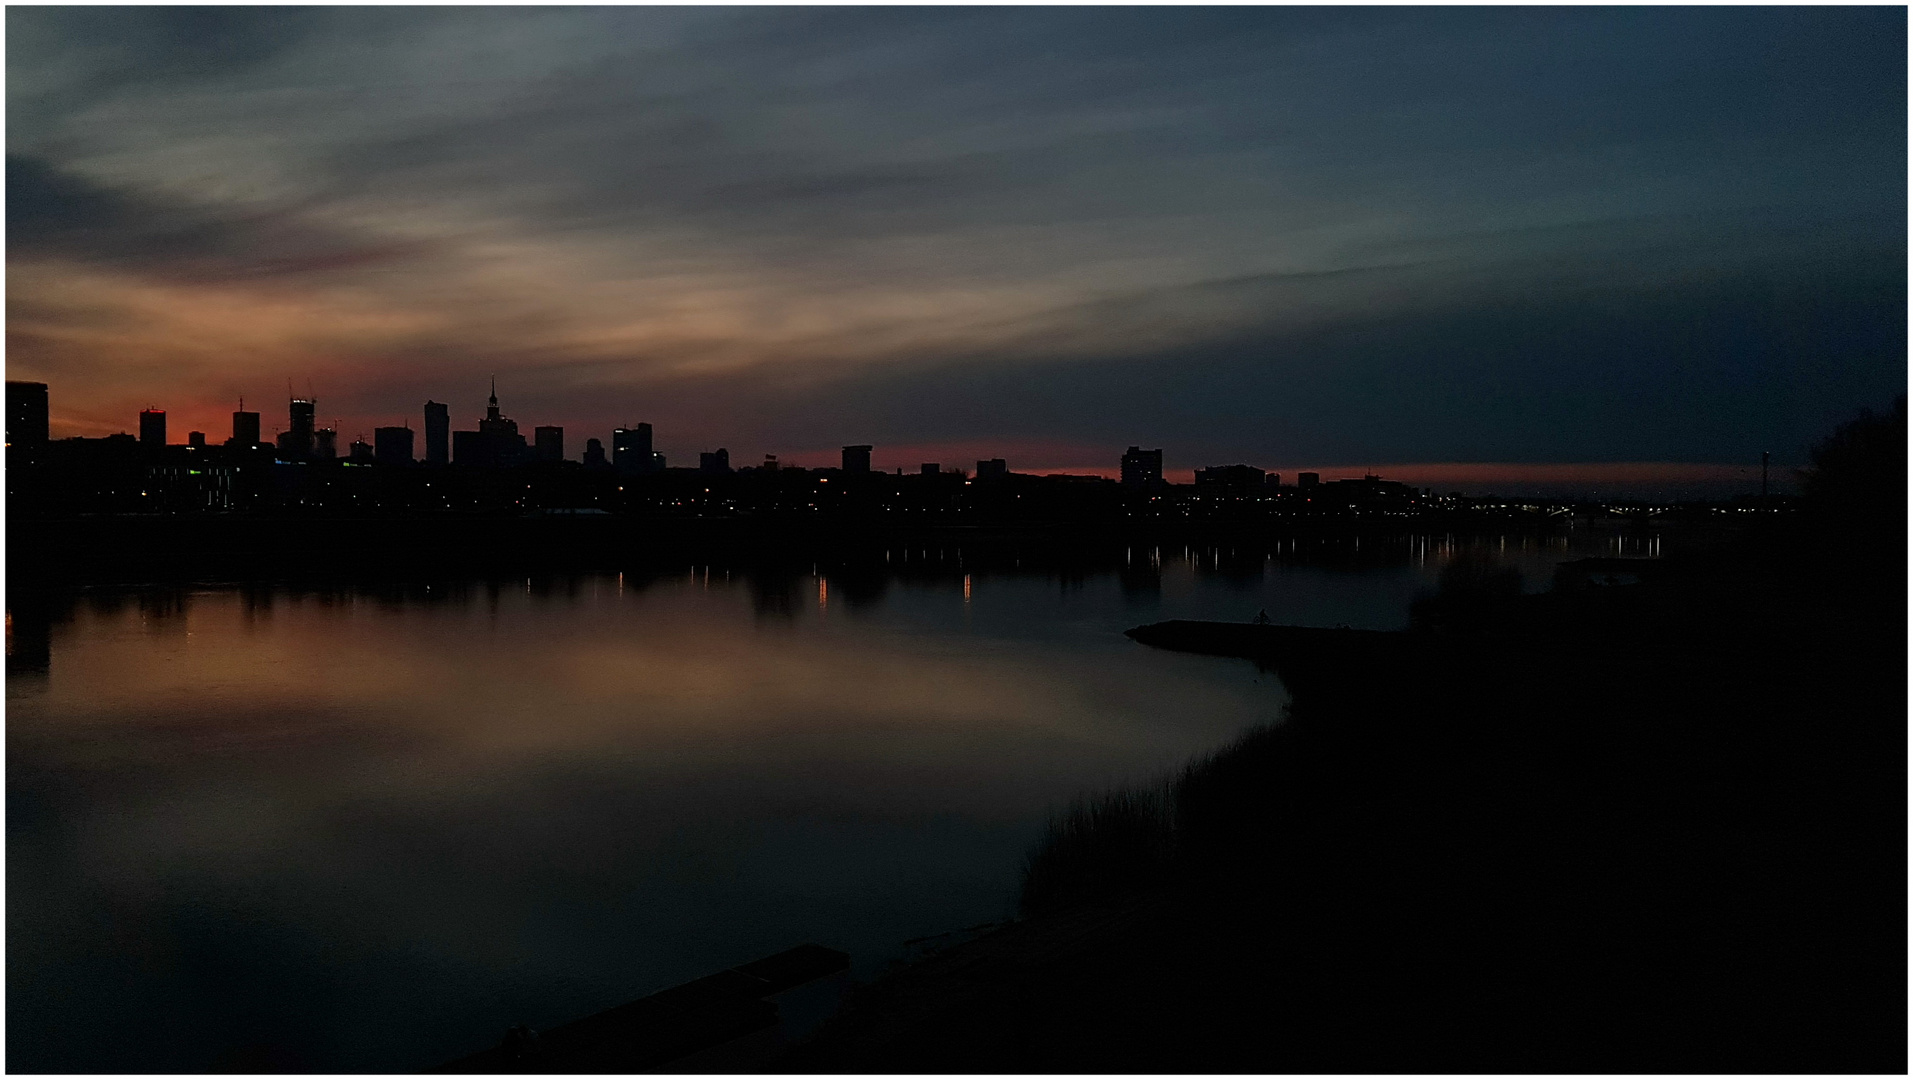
{"x": 1291, "y": 237}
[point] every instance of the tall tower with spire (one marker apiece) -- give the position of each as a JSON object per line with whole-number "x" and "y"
{"x": 499, "y": 442}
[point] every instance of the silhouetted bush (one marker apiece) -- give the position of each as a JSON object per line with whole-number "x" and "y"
{"x": 1858, "y": 477}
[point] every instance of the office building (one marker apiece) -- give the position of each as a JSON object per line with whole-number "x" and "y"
{"x": 930, "y": 468}
{"x": 1142, "y": 468}
{"x": 245, "y": 428}
{"x": 196, "y": 440}
{"x": 26, "y": 413}
{"x": 392, "y": 445}
{"x": 438, "y": 433}
{"x": 594, "y": 454}
{"x": 325, "y": 444}
{"x": 991, "y": 469}
{"x": 300, "y": 442}
{"x": 361, "y": 452}
{"x": 631, "y": 449}
{"x": 152, "y": 428}
{"x": 1307, "y": 480}
{"x": 548, "y": 443}
{"x": 718, "y": 461}
{"x": 857, "y": 460}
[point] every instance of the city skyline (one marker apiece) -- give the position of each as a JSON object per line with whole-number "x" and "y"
{"x": 1581, "y": 243}
{"x": 1656, "y": 479}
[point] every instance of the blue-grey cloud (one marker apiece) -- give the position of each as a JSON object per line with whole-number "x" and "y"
{"x": 1512, "y": 232}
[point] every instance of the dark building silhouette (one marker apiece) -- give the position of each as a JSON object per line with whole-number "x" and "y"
{"x": 548, "y": 443}
{"x": 1142, "y": 468}
{"x": 392, "y": 445}
{"x": 930, "y": 468}
{"x": 438, "y": 433}
{"x": 631, "y": 450}
{"x": 992, "y": 468}
{"x": 1230, "y": 480}
{"x": 325, "y": 444}
{"x": 152, "y": 428}
{"x": 857, "y": 459}
{"x": 26, "y": 413}
{"x": 196, "y": 439}
{"x": 1307, "y": 480}
{"x": 718, "y": 461}
{"x": 594, "y": 454}
{"x": 362, "y": 451}
{"x": 300, "y": 441}
{"x": 245, "y": 428}
{"x": 495, "y": 444}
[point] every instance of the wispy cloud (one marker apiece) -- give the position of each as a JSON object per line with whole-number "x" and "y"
{"x": 740, "y": 220}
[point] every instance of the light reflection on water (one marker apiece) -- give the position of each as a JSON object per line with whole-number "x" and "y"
{"x": 369, "y": 828}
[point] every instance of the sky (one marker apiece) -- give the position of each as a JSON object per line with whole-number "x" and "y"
{"x": 1427, "y": 238}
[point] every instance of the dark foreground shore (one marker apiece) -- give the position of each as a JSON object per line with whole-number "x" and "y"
{"x": 1657, "y": 826}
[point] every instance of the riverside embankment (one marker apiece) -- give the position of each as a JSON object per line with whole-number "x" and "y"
{"x": 1647, "y": 827}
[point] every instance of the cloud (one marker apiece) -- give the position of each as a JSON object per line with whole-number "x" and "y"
{"x": 732, "y": 211}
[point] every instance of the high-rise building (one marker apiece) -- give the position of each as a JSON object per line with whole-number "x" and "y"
{"x": 1307, "y": 479}
{"x": 549, "y": 443}
{"x": 1142, "y": 468}
{"x": 299, "y": 443}
{"x": 857, "y": 459}
{"x": 631, "y": 449}
{"x": 325, "y": 444}
{"x": 152, "y": 428}
{"x": 392, "y": 445}
{"x": 495, "y": 444}
{"x": 438, "y": 437}
{"x": 718, "y": 461}
{"x": 992, "y": 468}
{"x": 196, "y": 440}
{"x": 245, "y": 428}
{"x": 26, "y": 413}
{"x": 362, "y": 451}
{"x": 594, "y": 454}
{"x": 930, "y": 468}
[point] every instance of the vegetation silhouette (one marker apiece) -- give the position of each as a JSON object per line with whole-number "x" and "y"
{"x": 1655, "y": 826}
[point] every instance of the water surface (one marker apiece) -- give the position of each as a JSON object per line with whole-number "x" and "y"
{"x": 369, "y": 827}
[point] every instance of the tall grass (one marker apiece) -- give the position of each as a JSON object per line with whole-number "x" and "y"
{"x": 1130, "y": 840}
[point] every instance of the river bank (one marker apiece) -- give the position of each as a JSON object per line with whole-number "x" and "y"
{"x": 1651, "y": 827}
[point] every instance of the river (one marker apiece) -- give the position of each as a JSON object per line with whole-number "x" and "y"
{"x": 367, "y": 827}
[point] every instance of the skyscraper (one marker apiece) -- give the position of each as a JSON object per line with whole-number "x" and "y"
{"x": 594, "y": 454}
{"x": 857, "y": 460}
{"x": 392, "y": 445}
{"x": 26, "y": 413}
{"x": 299, "y": 443}
{"x": 719, "y": 461}
{"x": 152, "y": 428}
{"x": 631, "y": 449}
{"x": 549, "y": 443}
{"x": 325, "y": 444}
{"x": 438, "y": 433}
{"x": 1142, "y": 468}
{"x": 245, "y": 427}
{"x": 499, "y": 436}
